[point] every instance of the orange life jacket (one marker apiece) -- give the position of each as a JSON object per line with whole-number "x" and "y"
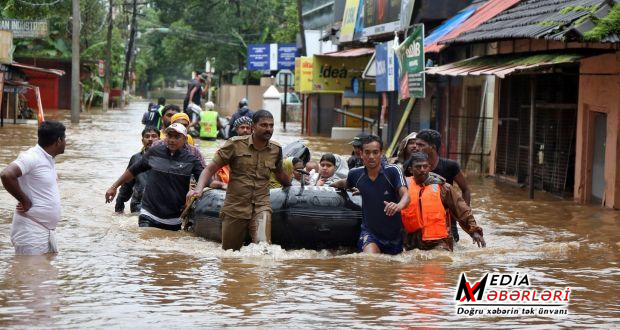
{"x": 224, "y": 174}
{"x": 425, "y": 200}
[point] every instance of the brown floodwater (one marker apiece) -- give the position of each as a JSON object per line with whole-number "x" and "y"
{"x": 110, "y": 273}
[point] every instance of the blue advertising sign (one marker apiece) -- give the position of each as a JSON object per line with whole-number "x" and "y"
{"x": 386, "y": 67}
{"x": 258, "y": 57}
{"x": 286, "y": 56}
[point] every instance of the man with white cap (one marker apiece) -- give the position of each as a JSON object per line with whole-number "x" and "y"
{"x": 167, "y": 184}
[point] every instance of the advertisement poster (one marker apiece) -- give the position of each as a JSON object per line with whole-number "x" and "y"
{"x": 349, "y": 20}
{"x": 385, "y": 16}
{"x": 411, "y": 56}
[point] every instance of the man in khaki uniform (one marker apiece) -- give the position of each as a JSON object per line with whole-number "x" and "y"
{"x": 251, "y": 158}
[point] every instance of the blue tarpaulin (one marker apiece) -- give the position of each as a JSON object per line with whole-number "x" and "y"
{"x": 449, "y": 25}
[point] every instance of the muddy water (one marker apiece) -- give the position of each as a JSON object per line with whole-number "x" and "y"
{"x": 112, "y": 273}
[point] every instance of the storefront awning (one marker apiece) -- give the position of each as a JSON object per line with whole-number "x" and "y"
{"x": 36, "y": 68}
{"x": 502, "y": 65}
{"x": 357, "y": 52}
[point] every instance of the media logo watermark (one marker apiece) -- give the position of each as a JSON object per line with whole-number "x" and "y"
{"x": 508, "y": 294}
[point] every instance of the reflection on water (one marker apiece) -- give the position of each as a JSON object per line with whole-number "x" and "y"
{"x": 111, "y": 273}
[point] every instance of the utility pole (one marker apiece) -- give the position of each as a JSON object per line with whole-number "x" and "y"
{"x": 129, "y": 52}
{"x": 75, "y": 63}
{"x": 301, "y": 29}
{"x": 108, "y": 60}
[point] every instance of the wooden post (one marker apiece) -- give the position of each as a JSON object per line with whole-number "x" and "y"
{"x": 530, "y": 170}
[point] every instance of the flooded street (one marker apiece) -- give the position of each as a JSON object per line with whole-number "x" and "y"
{"x": 111, "y": 273}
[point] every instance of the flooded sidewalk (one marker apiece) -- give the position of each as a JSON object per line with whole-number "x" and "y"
{"x": 111, "y": 273}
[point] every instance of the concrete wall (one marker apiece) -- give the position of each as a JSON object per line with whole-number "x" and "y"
{"x": 599, "y": 91}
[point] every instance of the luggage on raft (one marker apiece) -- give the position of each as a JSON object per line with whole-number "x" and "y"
{"x": 303, "y": 217}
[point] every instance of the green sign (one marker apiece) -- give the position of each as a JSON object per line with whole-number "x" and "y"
{"x": 411, "y": 54}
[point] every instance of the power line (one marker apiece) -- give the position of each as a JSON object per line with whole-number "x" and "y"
{"x": 39, "y": 4}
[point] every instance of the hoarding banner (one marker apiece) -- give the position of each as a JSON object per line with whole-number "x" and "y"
{"x": 385, "y": 16}
{"x": 386, "y": 67}
{"x": 335, "y": 74}
{"x": 411, "y": 56}
{"x": 349, "y": 19}
{"x": 303, "y": 74}
{"x": 286, "y": 56}
{"x": 258, "y": 57}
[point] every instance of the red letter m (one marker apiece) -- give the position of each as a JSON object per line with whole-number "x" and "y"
{"x": 468, "y": 291}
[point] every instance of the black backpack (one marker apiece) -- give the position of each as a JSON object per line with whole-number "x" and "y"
{"x": 151, "y": 116}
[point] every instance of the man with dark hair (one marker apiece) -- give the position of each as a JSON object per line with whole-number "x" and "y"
{"x": 252, "y": 159}
{"x": 356, "y": 155}
{"x": 429, "y": 142}
{"x": 434, "y": 205}
{"x": 170, "y": 167}
{"x": 166, "y": 118}
{"x": 243, "y": 111}
{"x": 384, "y": 195}
{"x": 135, "y": 188}
{"x": 152, "y": 116}
{"x": 194, "y": 91}
{"x": 32, "y": 180}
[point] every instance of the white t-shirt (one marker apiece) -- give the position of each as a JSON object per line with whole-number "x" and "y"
{"x": 39, "y": 183}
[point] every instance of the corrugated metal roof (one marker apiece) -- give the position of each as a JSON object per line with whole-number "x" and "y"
{"x": 503, "y": 65}
{"x": 356, "y": 52}
{"x": 482, "y": 14}
{"x": 538, "y": 19}
{"x": 36, "y": 68}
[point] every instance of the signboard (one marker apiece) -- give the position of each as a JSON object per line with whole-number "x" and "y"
{"x": 384, "y": 16}
{"x": 24, "y": 28}
{"x": 286, "y": 56}
{"x": 335, "y": 74}
{"x": 386, "y": 67}
{"x": 6, "y": 47}
{"x": 280, "y": 78}
{"x": 411, "y": 55}
{"x": 349, "y": 19}
{"x": 258, "y": 57}
{"x": 271, "y": 57}
{"x": 101, "y": 68}
{"x": 303, "y": 74}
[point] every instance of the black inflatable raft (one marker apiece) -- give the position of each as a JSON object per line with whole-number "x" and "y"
{"x": 309, "y": 217}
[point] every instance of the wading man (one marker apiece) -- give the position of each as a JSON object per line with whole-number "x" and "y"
{"x": 429, "y": 142}
{"x": 135, "y": 188}
{"x": 32, "y": 180}
{"x": 434, "y": 204}
{"x": 170, "y": 168}
{"x": 384, "y": 195}
{"x": 252, "y": 159}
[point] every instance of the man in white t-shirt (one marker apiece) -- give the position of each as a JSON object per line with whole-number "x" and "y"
{"x": 32, "y": 180}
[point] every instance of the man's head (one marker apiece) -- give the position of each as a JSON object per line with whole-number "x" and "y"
{"x": 176, "y": 136}
{"x": 181, "y": 118}
{"x": 243, "y": 126}
{"x": 166, "y": 115}
{"x": 51, "y": 136}
{"x": 357, "y": 143}
{"x": 328, "y": 165}
{"x": 243, "y": 103}
{"x": 210, "y": 106}
{"x": 149, "y": 135}
{"x": 418, "y": 166}
{"x": 428, "y": 141}
{"x": 262, "y": 125}
{"x": 372, "y": 148}
{"x": 410, "y": 146}
{"x": 161, "y": 101}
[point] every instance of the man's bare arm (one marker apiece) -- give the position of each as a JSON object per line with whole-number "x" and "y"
{"x": 9, "y": 177}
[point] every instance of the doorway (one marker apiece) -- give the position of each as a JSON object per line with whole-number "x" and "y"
{"x": 598, "y": 157}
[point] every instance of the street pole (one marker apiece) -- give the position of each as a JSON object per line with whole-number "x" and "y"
{"x": 75, "y": 63}
{"x": 285, "y": 101}
{"x": 301, "y": 28}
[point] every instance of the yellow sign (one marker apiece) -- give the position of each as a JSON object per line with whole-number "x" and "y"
{"x": 303, "y": 74}
{"x": 334, "y": 74}
{"x": 348, "y": 20}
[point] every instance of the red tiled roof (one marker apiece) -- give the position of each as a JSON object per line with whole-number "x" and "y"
{"x": 482, "y": 14}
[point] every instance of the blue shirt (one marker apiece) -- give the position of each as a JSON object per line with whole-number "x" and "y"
{"x": 374, "y": 193}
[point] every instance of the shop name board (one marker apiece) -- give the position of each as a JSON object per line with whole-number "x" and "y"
{"x": 411, "y": 55}
{"x": 333, "y": 74}
{"x": 25, "y": 28}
